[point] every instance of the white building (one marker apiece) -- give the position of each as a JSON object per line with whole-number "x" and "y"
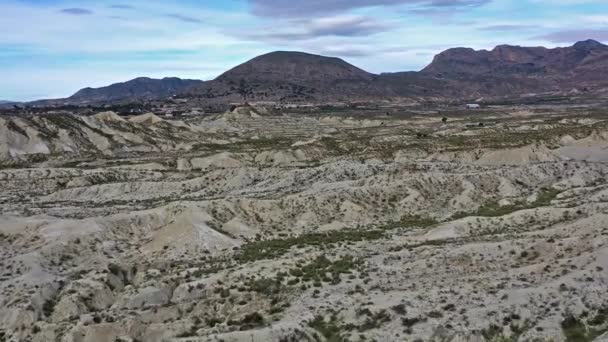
{"x": 473, "y": 106}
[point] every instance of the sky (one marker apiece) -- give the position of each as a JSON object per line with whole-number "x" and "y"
{"x": 52, "y": 48}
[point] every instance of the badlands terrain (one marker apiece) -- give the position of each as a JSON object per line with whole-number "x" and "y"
{"x": 404, "y": 224}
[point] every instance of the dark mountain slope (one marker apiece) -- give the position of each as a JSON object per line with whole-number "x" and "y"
{"x": 295, "y": 67}
{"x": 137, "y": 89}
{"x": 512, "y": 61}
{"x": 289, "y": 76}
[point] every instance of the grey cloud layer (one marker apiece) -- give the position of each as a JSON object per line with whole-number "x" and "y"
{"x": 302, "y": 8}
{"x": 185, "y": 18}
{"x": 85, "y": 11}
{"x": 339, "y": 26}
{"x": 76, "y": 11}
{"x": 505, "y": 28}
{"x": 121, "y": 6}
{"x": 456, "y": 3}
{"x": 569, "y": 36}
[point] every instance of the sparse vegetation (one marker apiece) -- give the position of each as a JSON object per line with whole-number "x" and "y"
{"x": 576, "y": 330}
{"x": 330, "y": 328}
{"x": 270, "y": 249}
{"x": 493, "y": 209}
{"x": 319, "y": 226}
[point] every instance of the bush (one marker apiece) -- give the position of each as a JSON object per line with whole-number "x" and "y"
{"x": 48, "y": 307}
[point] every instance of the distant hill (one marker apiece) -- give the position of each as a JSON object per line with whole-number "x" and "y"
{"x": 287, "y": 76}
{"x": 507, "y": 60}
{"x": 295, "y": 67}
{"x": 136, "y": 89}
{"x": 458, "y": 73}
{"x": 7, "y": 104}
{"x": 513, "y": 70}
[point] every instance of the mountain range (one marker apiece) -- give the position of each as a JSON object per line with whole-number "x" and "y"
{"x": 284, "y": 76}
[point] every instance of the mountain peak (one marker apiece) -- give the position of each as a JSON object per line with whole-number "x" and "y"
{"x": 505, "y": 46}
{"x": 290, "y": 66}
{"x": 285, "y": 53}
{"x": 589, "y": 44}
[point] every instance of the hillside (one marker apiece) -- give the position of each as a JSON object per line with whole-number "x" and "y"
{"x": 513, "y": 70}
{"x": 509, "y": 61}
{"x": 137, "y": 89}
{"x": 295, "y": 67}
{"x": 7, "y": 103}
{"x": 288, "y": 76}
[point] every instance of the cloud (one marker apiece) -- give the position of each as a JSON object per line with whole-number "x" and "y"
{"x": 445, "y": 11}
{"x": 122, "y": 6}
{"x": 571, "y": 36}
{"x": 77, "y": 11}
{"x": 506, "y": 28}
{"x": 360, "y": 50}
{"x": 346, "y": 26}
{"x": 345, "y": 50}
{"x": 433, "y": 12}
{"x": 185, "y": 18}
{"x": 337, "y": 26}
{"x": 457, "y": 3}
{"x": 58, "y": 35}
{"x": 595, "y": 19}
{"x": 290, "y": 8}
